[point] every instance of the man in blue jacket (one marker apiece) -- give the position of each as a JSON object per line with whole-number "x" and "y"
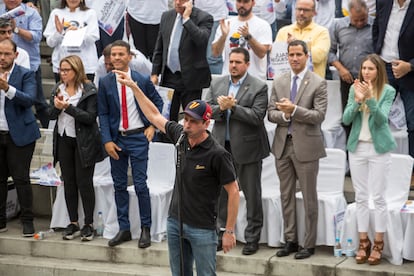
{"x": 125, "y": 133}
{"x": 18, "y": 134}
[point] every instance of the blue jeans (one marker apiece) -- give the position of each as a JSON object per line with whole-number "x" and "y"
{"x": 407, "y": 96}
{"x": 215, "y": 63}
{"x": 134, "y": 149}
{"x": 199, "y": 245}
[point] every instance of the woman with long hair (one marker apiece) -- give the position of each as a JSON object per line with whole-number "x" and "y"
{"x": 76, "y": 142}
{"x": 369, "y": 145}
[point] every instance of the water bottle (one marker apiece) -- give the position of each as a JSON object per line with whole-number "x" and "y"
{"x": 44, "y": 234}
{"x": 349, "y": 250}
{"x": 337, "y": 248}
{"x": 99, "y": 225}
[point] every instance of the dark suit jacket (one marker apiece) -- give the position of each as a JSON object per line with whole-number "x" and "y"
{"x": 248, "y": 135}
{"x": 109, "y": 106}
{"x": 22, "y": 123}
{"x": 311, "y": 101}
{"x": 195, "y": 71}
{"x": 405, "y": 40}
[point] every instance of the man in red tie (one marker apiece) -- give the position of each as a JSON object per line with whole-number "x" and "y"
{"x": 125, "y": 133}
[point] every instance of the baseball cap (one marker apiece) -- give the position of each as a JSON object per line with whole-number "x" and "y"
{"x": 199, "y": 110}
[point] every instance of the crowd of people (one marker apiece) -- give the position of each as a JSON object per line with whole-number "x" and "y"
{"x": 105, "y": 103}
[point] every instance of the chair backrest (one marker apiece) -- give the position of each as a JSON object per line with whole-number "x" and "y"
{"x": 270, "y": 179}
{"x": 331, "y": 174}
{"x": 334, "y": 110}
{"x": 399, "y": 178}
{"x": 161, "y": 165}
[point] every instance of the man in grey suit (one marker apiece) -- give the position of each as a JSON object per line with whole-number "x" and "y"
{"x": 239, "y": 104}
{"x": 298, "y": 106}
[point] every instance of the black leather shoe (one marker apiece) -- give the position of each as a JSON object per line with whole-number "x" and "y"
{"x": 28, "y": 229}
{"x": 220, "y": 241}
{"x": 250, "y": 248}
{"x": 305, "y": 253}
{"x": 122, "y": 236}
{"x": 290, "y": 247}
{"x": 145, "y": 239}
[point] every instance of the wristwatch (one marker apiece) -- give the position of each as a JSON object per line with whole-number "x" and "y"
{"x": 247, "y": 37}
{"x": 16, "y": 30}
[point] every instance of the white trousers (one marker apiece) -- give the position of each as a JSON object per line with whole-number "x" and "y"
{"x": 369, "y": 172}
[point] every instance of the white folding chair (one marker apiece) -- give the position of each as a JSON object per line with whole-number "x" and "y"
{"x": 272, "y": 231}
{"x": 332, "y": 129}
{"x": 396, "y": 194}
{"x": 331, "y": 200}
{"x": 160, "y": 181}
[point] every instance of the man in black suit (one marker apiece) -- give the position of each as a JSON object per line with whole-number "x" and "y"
{"x": 394, "y": 43}
{"x": 183, "y": 37}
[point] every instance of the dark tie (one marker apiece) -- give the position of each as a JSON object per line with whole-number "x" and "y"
{"x": 124, "y": 108}
{"x": 174, "y": 61}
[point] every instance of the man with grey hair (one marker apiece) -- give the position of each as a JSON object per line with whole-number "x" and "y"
{"x": 351, "y": 37}
{"x": 6, "y": 32}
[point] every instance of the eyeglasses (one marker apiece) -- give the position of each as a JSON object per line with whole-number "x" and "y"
{"x": 303, "y": 10}
{"x": 3, "y": 32}
{"x": 65, "y": 70}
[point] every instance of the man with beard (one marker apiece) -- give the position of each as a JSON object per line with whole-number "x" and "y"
{"x": 247, "y": 31}
{"x": 239, "y": 104}
{"x": 315, "y": 36}
{"x": 180, "y": 53}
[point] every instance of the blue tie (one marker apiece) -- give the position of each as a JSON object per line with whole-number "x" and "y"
{"x": 173, "y": 60}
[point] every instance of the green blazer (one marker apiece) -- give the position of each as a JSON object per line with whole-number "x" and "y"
{"x": 378, "y": 120}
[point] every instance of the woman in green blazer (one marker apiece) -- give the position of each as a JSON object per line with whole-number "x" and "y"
{"x": 369, "y": 146}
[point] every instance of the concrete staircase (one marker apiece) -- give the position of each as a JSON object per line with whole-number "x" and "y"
{"x": 48, "y": 80}
{"x": 54, "y": 256}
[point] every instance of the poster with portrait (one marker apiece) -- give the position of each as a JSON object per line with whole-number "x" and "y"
{"x": 109, "y": 12}
{"x": 278, "y": 60}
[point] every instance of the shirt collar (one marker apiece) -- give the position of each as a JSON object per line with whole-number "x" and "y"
{"x": 240, "y": 81}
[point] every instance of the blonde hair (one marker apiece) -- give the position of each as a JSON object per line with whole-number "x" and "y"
{"x": 380, "y": 80}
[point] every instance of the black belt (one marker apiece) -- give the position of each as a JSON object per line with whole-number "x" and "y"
{"x": 289, "y": 136}
{"x": 4, "y": 132}
{"x": 131, "y": 131}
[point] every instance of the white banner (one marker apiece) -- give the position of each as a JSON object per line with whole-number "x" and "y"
{"x": 166, "y": 95}
{"x": 279, "y": 63}
{"x": 109, "y": 12}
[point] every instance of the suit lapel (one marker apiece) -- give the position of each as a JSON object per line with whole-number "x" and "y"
{"x": 408, "y": 17}
{"x": 244, "y": 87}
{"x": 170, "y": 26}
{"x": 302, "y": 87}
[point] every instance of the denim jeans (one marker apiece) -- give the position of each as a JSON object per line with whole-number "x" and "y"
{"x": 199, "y": 245}
{"x": 135, "y": 150}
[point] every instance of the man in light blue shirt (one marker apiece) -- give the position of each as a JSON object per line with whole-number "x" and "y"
{"x": 27, "y": 35}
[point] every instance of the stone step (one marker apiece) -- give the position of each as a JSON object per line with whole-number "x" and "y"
{"x": 46, "y": 67}
{"x": 54, "y": 256}
{"x": 47, "y": 85}
{"x": 45, "y": 51}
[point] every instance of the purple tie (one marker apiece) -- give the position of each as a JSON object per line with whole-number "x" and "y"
{"x": 294, "y": 89}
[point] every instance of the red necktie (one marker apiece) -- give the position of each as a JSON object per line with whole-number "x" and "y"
{"x": 124, "y": 108}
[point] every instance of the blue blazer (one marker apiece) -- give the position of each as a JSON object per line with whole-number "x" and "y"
{"x": 22, "y": 123}
{"x": 109, "y": 107}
